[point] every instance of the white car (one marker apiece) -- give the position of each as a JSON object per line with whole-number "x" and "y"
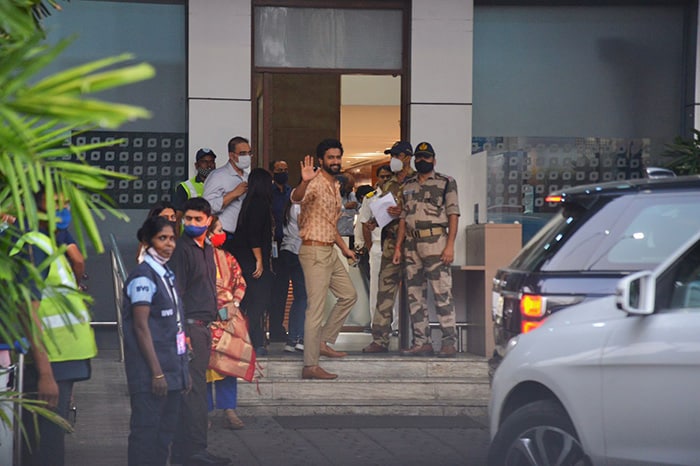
{"x": 609, "y": 382}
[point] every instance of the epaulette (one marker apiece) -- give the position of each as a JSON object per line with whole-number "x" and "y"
{"x": 447, "y": 177}
{"x": 370, "y": 194}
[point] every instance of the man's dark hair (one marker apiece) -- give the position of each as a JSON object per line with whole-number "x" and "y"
{"x": 382, "y": 168}
{"x": 272, "y": 164}
{"x": 199, "y": 204}
{"x": 326, "y": 144}
{"x": 151, "y": 227}
{"x": 235, "y": 141}
{"x": 362, "y": 191}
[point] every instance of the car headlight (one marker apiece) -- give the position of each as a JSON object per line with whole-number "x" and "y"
{"x": 512, "y": 343}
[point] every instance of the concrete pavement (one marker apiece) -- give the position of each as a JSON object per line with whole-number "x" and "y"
{"x": 102, "y": 428}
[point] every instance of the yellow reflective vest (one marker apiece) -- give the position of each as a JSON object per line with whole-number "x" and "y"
{"x": 66, "y": 336}
{"x": 193, "y": 188}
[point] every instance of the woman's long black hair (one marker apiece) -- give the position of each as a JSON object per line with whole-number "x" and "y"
{"x": 259, "y": 195}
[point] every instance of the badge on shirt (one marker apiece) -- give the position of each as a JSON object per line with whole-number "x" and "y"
{"x": 181, "y": 342}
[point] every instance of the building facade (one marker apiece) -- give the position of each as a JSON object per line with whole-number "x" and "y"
{"x": 549, "y": 93}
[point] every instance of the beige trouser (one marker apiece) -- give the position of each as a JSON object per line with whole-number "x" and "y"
{"x": 323, "y": 271}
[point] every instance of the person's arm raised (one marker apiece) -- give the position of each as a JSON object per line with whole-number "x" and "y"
{"x": 307, "y": 174}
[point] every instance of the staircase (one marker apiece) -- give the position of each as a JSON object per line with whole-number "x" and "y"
{"x": 386, "y": 384}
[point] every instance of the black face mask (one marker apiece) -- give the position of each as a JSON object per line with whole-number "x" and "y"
{"x": 281, "y": 178}
{"x": 424, "y": 167}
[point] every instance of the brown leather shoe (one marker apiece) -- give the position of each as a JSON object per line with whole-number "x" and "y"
{"x": 329, "y": 352}
{"x": 375, "y": 347}
{"x": 448, "y": 351}
{"x": 419, "y": 350}
{"x": 317, "y": 372}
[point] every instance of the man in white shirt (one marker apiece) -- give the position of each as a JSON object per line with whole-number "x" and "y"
{"x": 369, "y": 231}
{"x": 225, "y": 187}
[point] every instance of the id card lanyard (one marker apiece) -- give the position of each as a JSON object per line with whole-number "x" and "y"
{"x": 180, "y": 338}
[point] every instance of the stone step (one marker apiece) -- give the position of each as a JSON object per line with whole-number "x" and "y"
{"x": 434, "y": 388}
{"x": 363, "y": 406}
{"x": 376, "y": 367}
{"x": 377, "y": 384}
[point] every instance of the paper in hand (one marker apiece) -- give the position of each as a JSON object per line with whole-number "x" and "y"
{"x": 379, "y": 207}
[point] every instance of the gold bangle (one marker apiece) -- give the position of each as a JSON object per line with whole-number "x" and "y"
{"x": 161, "y": 376}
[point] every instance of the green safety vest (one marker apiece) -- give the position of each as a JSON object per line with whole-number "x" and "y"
{"x": 66, "y": 336}
{"x": 192, "y": 187}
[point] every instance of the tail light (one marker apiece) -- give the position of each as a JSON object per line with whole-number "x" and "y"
{"x": 532, "y": 311}
{"x": 528, "y": 326}
{"x": 535, "y": 308}
{"x": 532, "y": 306}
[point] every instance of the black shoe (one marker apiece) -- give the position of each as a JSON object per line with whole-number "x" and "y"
{"x": 203, "y": 457}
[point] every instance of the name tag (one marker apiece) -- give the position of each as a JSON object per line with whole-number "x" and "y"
{"x": 167, "y": 313}
{"x": 181, "y": 342}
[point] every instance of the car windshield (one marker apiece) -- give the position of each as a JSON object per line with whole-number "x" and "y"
{"x": 626, "y": 233}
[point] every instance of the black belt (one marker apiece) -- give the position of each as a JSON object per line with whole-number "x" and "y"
{"x": 201, "y": 323}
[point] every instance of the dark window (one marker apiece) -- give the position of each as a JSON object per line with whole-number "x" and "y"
{"x": 628, "y": 233}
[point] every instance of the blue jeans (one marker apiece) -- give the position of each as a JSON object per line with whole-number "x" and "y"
{"x": 297, "y": 312}
{"x": 226, "y": 393}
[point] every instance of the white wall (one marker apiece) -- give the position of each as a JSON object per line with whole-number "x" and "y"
{"x": 219, "y": 74}
{"x": 442, "y": 35}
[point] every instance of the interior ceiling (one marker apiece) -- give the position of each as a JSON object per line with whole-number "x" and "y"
{"x": 366, "y": 131}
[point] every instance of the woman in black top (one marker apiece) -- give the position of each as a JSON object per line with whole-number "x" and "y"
{"x": 155, "y": 347}
{"x": 252, "y": 247}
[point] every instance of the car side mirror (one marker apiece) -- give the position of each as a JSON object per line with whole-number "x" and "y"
{"x": 636, "y": 293}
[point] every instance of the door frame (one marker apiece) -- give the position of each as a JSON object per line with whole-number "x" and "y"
{"x": 260, "y": 75}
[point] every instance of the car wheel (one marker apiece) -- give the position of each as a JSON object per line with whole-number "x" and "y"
{"x": 539, "y": 433}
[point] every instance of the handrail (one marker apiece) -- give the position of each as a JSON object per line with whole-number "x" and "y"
{"x": 118, "y": 278}
{"x": 119, "y": 262}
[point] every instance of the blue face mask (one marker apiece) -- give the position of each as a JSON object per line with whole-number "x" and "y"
{"x": 194, "y": 231}
{"x": 63, "y": 218}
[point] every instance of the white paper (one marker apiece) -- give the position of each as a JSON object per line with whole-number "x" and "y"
{"x": 378, "y": 208}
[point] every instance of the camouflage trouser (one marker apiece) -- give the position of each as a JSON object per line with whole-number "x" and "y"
{"x": 423, "y": 265}
{"x": 389, "y": 280}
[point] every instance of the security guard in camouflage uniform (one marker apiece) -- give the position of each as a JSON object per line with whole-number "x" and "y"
{"x": 429, "y": 226}
{"x": 390, "y": 273}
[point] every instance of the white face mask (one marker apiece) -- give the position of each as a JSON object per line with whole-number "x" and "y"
{"x": 243, "y": 162}
{"x": 395, "y": 164}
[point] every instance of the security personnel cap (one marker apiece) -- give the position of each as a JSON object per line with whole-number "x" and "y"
{"x": 399, "y": 147}
{"x": 425, "y": 148}
{"x": 203, "y": 152}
